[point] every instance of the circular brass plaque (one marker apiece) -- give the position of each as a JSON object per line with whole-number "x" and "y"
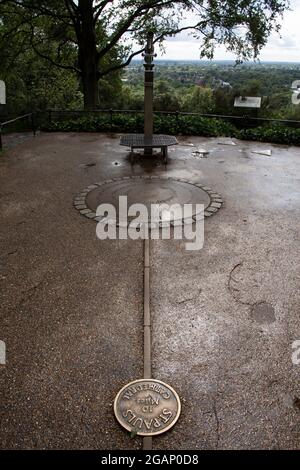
{"x": 147, "y": 407}
{"x": 148, "y": 190}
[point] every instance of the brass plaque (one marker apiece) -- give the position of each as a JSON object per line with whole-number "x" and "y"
{"x": 147, "y": 407}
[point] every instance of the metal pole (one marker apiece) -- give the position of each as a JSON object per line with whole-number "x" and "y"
{"x": 33, "y": 124}
{"x": 147, "y": 441}
{"x": 148, "y": 84}
{"x": 111, "y": 118}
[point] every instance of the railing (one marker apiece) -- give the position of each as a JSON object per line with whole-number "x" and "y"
{"x": 29, "y": 116}
{"x": 58, "y": 114}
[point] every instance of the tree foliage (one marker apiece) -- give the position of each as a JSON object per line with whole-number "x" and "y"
{"x": 199, "y": 100}
{"x": 97, "y": 38}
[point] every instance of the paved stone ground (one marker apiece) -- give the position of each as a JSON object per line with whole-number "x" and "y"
{"x": 224, "y": 318}
{"x": 13, "y": 139}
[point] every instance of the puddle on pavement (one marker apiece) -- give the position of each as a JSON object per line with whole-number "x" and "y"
{"x": 87, "y": 165}
{"x": 263, "y": 313}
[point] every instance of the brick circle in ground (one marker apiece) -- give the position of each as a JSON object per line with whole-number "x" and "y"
{"x": 148, "y": 190}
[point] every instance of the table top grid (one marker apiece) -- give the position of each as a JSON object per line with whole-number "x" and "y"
{"x": 139, "y": 140}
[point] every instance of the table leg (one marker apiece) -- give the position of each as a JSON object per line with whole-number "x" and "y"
{"x": 165, "y": 154}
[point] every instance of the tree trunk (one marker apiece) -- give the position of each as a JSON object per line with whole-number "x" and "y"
{"x": 88, "y": 55}
{"x": 90, "y": 87}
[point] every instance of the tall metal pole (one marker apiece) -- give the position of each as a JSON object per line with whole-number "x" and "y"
{"x": 149, "y": 78}
{"x": 148, "y": 133}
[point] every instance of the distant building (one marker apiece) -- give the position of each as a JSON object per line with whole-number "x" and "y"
{"x": 226, "y": 85}
{"x": 218, "y": 83}
{"x": 200, "y": 82}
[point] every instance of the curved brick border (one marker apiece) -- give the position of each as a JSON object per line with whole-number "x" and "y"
{"x": 80, "y": 200}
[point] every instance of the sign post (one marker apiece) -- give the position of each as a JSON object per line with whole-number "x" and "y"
{"x": 2, "y": 92}
{"x": 148, "y": 141}
{"x": 149, "y": 78}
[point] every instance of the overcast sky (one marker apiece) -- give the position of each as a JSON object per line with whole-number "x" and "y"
{"x": 286, "y": 48}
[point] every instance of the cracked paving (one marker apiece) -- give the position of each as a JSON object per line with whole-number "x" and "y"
{"x": 224, "y": 318}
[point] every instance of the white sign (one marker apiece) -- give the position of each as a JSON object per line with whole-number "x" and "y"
{"x": 2, "y": 92}
{"x": 247, "y": 102}
{"x": 296, "y": 92}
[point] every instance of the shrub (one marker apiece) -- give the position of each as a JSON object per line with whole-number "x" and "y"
{"x": 176, "y": 124}
{"x": 277, "y": 134}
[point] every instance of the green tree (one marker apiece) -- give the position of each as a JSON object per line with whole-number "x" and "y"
{"x": 224, "y": 99}
{"x": 97, "y": 30}
{"x": 133, "y": 98}
{"x": 199, "y": 100}
{"x": 252, "y": 87}
{"x": 33, "y": 85}
{"x": 165, "y": 97}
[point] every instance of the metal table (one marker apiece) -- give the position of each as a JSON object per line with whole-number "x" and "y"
{"x": 137, "y": 141}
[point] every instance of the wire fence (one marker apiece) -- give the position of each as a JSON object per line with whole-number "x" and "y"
{"x": 245, "y": 120}
{"x": 41, "y": 119}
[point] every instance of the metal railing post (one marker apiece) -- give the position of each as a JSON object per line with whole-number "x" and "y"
{"x": 177, "y": 122}
{"x": 33, "y": 124}
{"x": 111, "y": 118}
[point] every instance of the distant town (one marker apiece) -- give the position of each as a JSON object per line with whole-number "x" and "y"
{"x": 211, "y": 86}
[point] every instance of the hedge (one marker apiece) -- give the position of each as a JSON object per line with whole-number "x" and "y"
{"x": 173, "y": 124}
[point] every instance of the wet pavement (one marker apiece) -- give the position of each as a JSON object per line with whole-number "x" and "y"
{"x": 225, "y": 317}
{"x": 13, "y": 139}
